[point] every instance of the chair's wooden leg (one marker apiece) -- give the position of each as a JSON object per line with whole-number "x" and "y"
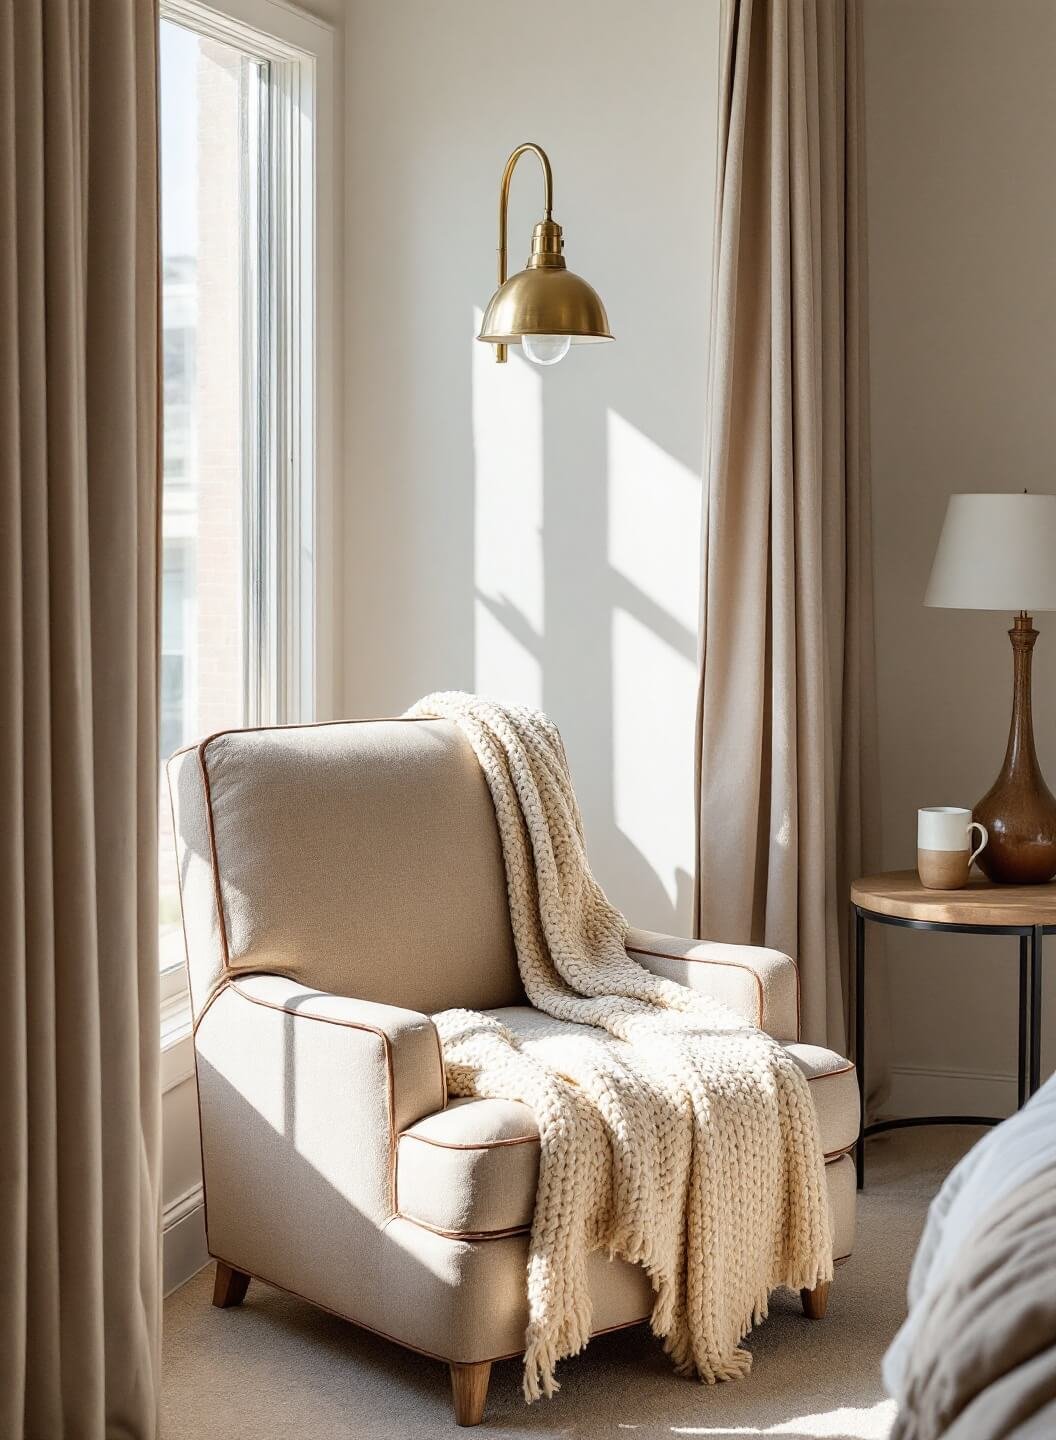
{"x": 816, "y": 1301}
{"x": 469, "y": 1390}
{"x": 230, "y": 1286}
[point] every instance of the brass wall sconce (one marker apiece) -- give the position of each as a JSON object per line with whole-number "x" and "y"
{"x": 544, "y": 308}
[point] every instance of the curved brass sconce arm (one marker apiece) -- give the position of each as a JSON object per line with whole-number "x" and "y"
{"x": 504, "y": 204}
{"x": 543, "y": 308}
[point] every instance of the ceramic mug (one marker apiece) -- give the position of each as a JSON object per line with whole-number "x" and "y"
{"x": 944, "y": 854}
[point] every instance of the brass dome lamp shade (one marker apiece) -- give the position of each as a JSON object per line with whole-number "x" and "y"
{"x": 544, "y": 308}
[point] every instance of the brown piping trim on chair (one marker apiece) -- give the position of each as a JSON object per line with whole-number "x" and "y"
{"x": 830, "y": 1074}
{"x": 444, "y": 1145}
{"x": 221, "y": 982}
{"x": 463, "y": 1234}
{"x": 390, "y": 1082}
{"x": 201, "y": 1145}
{"x": 214, "y": 994}
{"x": 832, "y": 1156}
{"x": 733, "y": 964}
{"x": 203, "y": 745}
{"x": 443, "y": 1067}
{"x": 390, "y": 1086}
{"x": 322, "y": 725}
{"x": 288, "y": 1290}
{"x": 704, "y": 960}
{"x": 215, "y": 859}
{"x": 183, "y": 750}
{"x": 417, "y": 1349}
{"x": 385, "y": 1039}
{"x": 194, "y": 1060}
{"x": 384, "y": 1335}
{"x": 198, "y": 1019}
{"x": 799, "y": 1023}
{"x": 179, "y": 877}
{"x": 470, "y": 1145}
{"x": 225, "y": 953}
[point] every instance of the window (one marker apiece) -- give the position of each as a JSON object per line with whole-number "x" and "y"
{"x": 240, "y": 167}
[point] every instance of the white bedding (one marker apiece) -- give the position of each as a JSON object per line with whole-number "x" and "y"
{"x": 1009, "y": 1155}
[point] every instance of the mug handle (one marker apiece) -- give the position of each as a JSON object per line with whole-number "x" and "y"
{"x": 975, "y": 825}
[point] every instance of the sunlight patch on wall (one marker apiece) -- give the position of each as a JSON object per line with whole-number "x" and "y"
{"x": 654, "y": 709}
{"x": 505, "y": 669}
{"x": 508, "y": 526}
{"x": 654, "y": 521}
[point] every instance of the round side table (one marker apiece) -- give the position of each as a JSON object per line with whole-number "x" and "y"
{"x": 981, "y": 908}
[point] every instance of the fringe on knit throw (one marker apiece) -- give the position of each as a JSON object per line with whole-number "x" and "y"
{"x": 673, "y": 1134}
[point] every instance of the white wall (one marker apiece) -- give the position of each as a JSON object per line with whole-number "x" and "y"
{"x": 962, "y": 233}
{"x": 534, "y": 534}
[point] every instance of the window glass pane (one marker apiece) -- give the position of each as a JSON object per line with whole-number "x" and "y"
{"x": 209, "y": 183}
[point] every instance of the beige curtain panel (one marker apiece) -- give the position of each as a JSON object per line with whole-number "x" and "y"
{"x": 786, "y": 724}
{"x": 79, "y": 1107}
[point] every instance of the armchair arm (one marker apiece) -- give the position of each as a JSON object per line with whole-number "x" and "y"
{"x": 305, "y": 1093}
{"x": 762, "y": 985}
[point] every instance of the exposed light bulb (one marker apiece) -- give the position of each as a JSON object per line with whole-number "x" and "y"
{"x": 546, "y": 349}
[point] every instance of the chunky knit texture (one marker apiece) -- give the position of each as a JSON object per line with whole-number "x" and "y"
{"x": 673, "y": 1134}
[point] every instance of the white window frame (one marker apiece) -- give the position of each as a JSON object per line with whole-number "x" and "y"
{"x": 291, "y": 676}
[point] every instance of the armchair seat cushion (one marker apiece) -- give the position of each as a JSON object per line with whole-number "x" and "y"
{"x": 470, "y": 1171}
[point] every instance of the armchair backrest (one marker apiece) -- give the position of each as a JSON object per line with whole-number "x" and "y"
{"x": 361, "y": 858}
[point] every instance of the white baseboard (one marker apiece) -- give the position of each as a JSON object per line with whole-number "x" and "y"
{"x": 183, "y": 1239}
{"x": 921, "y": 1090}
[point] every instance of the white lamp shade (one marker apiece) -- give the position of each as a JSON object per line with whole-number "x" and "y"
{"x": 996, "y": 552}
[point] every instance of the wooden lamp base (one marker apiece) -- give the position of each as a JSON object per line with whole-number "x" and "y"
{"x": 1019, "y": 810}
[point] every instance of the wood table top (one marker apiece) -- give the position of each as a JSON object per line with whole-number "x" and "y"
{"x": 899, "y": 893}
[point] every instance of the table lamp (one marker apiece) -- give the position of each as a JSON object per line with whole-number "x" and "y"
{"x": 998, "y": 552}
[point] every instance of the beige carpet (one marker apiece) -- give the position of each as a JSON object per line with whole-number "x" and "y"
{"x": 278, "y": 1370}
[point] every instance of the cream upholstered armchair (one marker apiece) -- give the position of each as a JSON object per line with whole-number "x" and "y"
{"x": 340, "y": 883}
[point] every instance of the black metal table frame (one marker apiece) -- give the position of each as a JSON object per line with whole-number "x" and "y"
{"x": 1030, "y": 975}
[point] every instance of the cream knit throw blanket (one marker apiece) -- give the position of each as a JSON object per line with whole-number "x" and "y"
{"x": 673, "y": 1134}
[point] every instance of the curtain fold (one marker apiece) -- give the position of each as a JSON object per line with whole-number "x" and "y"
{"x": 79, "y": 511}
{"x": 787, "y": 798}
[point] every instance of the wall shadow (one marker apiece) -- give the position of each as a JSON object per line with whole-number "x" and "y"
{"x": 594, "y": 639}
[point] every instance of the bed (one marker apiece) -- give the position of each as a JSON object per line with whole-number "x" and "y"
{"x": 976, "y": 1357}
